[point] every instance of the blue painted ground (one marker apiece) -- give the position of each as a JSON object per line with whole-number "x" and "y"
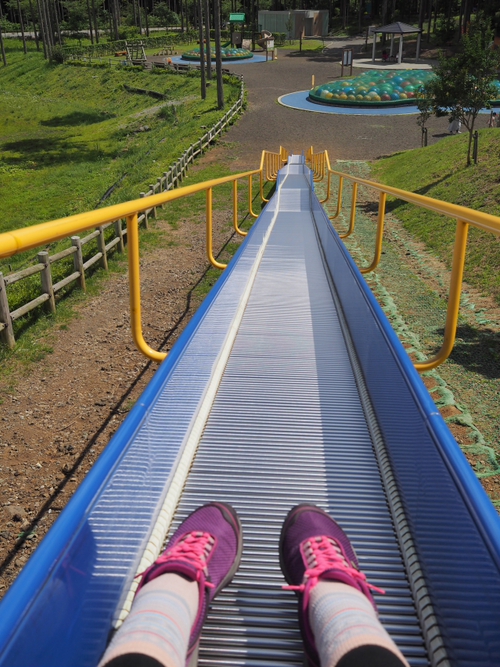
{"x": 301, "y": 101}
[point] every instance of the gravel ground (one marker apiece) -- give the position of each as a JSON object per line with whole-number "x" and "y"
{"x": 57, "y": 417}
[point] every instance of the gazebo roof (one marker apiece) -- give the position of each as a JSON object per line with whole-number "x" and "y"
{"x": 397, "y": 28}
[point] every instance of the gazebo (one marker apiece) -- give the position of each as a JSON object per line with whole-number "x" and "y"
{"x": 400, "y": 29}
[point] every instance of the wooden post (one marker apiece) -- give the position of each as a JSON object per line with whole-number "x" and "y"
{"x": 146, "y": 223}
{"x": 78, "y": 260}
{"x": 46, "y": 275}
{"x": 101, "y": 245}
{"x": 7, "y": 334}
{"x": 152, "y": 188}
{"x": 119, "y": 233}
{"x": 160, "y": 187}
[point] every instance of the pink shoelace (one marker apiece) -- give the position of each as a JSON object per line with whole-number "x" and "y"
{"x": 323, "y": 553}
{"x": 193, "y": 548}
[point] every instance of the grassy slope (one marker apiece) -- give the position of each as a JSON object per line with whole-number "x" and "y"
{"x": 67, "y": 134}
{"x": 439, "y": 171}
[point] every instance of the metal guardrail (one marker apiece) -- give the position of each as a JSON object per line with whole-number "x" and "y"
{"x": 20, "y": 240}
{"x": 320, "y": 165}
{"x": 169, "y": 180}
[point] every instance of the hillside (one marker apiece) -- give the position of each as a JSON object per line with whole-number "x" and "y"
{"x": 439, "y": 171}
{"x": 70, "y": 134}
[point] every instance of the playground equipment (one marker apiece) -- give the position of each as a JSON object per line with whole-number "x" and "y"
{"x": 377, "y": 88}
{"x": 135, "y": 53}
{"x": 288, "y": 385}
{"x": 373, "y": 88}
{"x": 228, "y": 53}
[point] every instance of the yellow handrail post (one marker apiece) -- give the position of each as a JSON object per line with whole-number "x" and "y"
{"x": 328, "y": 188}
{"x": 250, "y": 196}
{"x": 339, "y": 198}
{"x": 210, "y": 256}
{"x": 135, "y": 290}
{"x": 380, "y": 234}
{"x": 235, "y": 210}
{"x": 353, "y": 211}
{"x": 457, "y": 272}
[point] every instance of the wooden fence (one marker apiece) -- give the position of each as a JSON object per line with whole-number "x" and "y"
{"x": 169, "y": 180}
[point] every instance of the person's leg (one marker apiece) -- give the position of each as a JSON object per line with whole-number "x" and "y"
{"x": 337, "y": 614}
{"x": 164, "y": 625}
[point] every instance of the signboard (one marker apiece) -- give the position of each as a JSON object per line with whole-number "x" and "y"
{"x": 346, "y": 60}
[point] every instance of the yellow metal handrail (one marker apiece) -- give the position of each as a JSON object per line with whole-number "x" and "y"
{"x": 20, "y": 240}
{"x": 320, "y": 163}
{"x": 270, "y": 164}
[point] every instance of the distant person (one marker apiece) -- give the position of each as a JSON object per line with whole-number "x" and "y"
{"x": 493, "y": 120}
{"x": 455, "y": 126}
{"x": 385, "y": 55}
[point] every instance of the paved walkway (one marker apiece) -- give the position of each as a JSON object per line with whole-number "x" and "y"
{"x": 267, "y": 124}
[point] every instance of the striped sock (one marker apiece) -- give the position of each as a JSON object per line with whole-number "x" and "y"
{"x": 156, "y": 632}
{"x": 347, "y": 630}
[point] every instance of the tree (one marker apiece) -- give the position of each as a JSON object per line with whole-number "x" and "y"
{"x": 424, "y": 104}
{"x": 166, "y": 16}
{"x": 464, "y": 83}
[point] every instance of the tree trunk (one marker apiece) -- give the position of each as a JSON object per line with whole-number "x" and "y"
{"x": 202, "y": 51}
{"x": 32, "y": 14}
{"x": 218, "y": 56}
{"x": 115, "y": 19}
{"x": 139, "y": 9}
{"x": 96, "y": 22}
{"x": 42, "y": 28}
{"x": 22, "y": 25}
{"x": 146, "y": 18}
{"x": 384, "y": 12}
{"x": 207, "y": 33}
{"x": 429, "y": 22}
{"x": 91, "y": 31}
{"x": 2, "y": 47}
{"x": 421, "y": 16}
{"x": 54, "y": 7}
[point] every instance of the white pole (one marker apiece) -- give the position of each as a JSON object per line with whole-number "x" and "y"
{"x": 400, "y": 56}
{"x": 392, "y": 46}
{"x": 373, "y": 50}
{"x": 418, "y": 46}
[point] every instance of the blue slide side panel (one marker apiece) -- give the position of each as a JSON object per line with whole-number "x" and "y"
{"x": 455, "y": 527}
{"x": 58, "y": 574}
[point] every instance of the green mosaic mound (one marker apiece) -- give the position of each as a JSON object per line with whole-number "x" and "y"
{"x": 227, "y": 53}
{"x": 377, "y": 88}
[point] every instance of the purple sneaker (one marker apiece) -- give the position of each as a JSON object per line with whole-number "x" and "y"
{"x": 205, "y": 548}
{"x": 314, "y": 547}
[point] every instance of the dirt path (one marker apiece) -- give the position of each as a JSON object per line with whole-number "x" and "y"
{"x": 57, "y": 419}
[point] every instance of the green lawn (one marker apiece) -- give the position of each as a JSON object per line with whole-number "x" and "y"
{"x": 68, "y": 134}
{"x": 439, "y": 171}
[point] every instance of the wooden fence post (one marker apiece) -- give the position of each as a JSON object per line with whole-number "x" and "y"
{"x": 78, "y": 260}
{"x": 152, "y": 188}
{"x": 119, "y": 233}
{"x": 146, "y": 224}
{"x": 46, "y": 276}
{"x": 101, "y": 245}
{"x": 7, "y": 334}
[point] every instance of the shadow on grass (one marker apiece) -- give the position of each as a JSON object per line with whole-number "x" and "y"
{"x": 50, "y": 151}
{"x": 478, "y": 350}
{"x": 76, "y": 118}
{"x": 393, "y": 205}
